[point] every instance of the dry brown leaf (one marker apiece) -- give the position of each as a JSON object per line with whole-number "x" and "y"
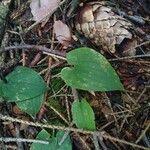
{"x": 63, "y": 33}
{"x": 100, "y": 24}
{"x": 128, "y": 47}
{"x": 17, "y": 111}
{"x": 41, "y": 8}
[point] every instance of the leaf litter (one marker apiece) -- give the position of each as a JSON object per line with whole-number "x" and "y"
{"x": 41, "y": 9}
{"x": 63, "y": 33}
{"x": 122, "y": 115}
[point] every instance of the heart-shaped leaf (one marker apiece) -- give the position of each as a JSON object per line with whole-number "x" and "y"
{"x": 55, "y": 143}
{"x": 83, "y": 115}
{"x": 25, "y": 87}
{"x": 90, "y": 71}
{"x": 23, "y": 84}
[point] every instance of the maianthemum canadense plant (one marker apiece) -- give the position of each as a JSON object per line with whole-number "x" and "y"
{"x": 88, "y": 70}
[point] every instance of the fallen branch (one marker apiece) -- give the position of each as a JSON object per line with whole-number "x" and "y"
{"x": 58, "y": 54}
{"x": 3, "y": 117}
{"x": 43, "y": 49}
{"x": 9, "y": 139}
{"x": 130, "y": 57}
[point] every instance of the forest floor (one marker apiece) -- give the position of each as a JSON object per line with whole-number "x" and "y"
{"x": 121, "y": 118}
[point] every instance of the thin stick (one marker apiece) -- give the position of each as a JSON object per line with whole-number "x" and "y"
{"x": 6, "y": 139}
{"x": 139, "y": 45}
{"x": 50, "y": 52}
{"x": 102, "y": 143}
{"x": 63, "y": 118}
{"x": 61, "y": 55}
{"x": 95, "y": 142}
{"x": 70, "y": 124}
{"x": 142, "y": 134}
{"x": 140, "y": 96}
{"x": 130, "y": 57}
{"x": 75, "y": 94}
{"x": 12, "y": 147}
{"x": 67, "y": 108}
{"x": 3, "y": 117}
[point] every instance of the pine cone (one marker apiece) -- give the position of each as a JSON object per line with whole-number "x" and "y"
{"x": 100, "y": 24}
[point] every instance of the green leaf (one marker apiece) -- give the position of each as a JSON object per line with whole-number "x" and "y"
{"x": 54, "y": 142}
{"x": 23, "y": 84}
{"x": 83, "y": 115}
{"x": 43, "y": 135}
{"x": 90, "y": 71}
{"x": 25, "y": 87}
{"x": 66, "y": 144}
{"x": 31, "y": 106}
{"x": 1, "y": 93}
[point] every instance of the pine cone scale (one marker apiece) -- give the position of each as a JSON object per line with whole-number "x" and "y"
{"x": 100, "y": 24}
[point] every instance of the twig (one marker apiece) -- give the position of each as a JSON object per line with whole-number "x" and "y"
{"x": 102, "y": 143}
{"x": 134, "y": 18}
{"x": 142, "y": 134}
{"x": 3, "y": 117}
{"x": 65, "y": 135}
{"x": 141, "y": 94}
{"x": 14, "y": 15}
{"x": 48, "y": 74}
{"x": 20, "y": 145}
{"x": 130, "y": 57}
{"x": 36, "y": 59}
{"x": 75, "y": 94}
{"x": 67, "y": 108}
{"x": 70, "y": 124}
{"x": 58, "y": 54}
{"x": 50, "y": 52}
{"x": 95, "y": 142}
{"x": 60, "y": 115}
{"x": 76, "y": 97}
{"x": 6, "y": 139}
{"x": 146, "y": 140}
{"x": 11, "y": 147}
{"x": 83, "y": 141}
{"x": 137, "y": 46}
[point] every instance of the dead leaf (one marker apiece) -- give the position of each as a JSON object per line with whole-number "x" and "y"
{"x": 87, "y": 14}
{"x": 42, "y": 8}
{"x": 17, "y": 111}
{"x": 63, "y": 33}
{"x": 128, "y": 47}
{"x": 100, "y": 24}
